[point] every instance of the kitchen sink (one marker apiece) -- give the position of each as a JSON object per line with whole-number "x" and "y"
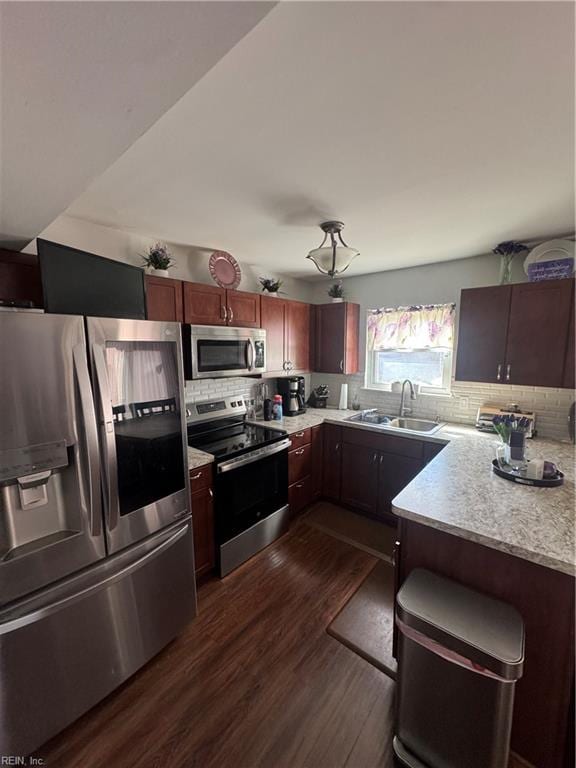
{"x": 404, "y": 423}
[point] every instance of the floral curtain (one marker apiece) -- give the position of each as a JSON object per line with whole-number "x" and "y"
{"x": 425, "y": 327}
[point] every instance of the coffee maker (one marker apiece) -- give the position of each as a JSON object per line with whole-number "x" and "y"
{"x": 293, "y": 394}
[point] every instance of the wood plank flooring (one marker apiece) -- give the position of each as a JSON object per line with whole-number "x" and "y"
{"x": 255, "y": 681}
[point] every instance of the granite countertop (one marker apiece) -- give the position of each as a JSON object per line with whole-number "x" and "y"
{"x": 458, "y": 493}
{"x": 197, "y": 458}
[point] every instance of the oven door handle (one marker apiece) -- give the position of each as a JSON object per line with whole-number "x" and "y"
{"x": 250, "y": 458}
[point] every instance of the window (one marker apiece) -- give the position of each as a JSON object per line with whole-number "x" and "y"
{"x": 413, "y": 343}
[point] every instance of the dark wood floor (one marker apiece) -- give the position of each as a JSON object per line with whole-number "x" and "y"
{"x": 255, "y": 681}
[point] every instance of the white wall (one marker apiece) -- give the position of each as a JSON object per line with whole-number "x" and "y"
{"x": 439, "y": 283}
{"x": 429, "y": 284}
{"x": 191, "y": 261}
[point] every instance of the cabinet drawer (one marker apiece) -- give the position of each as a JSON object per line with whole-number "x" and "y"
{"x": 299, "y": 463}
{"x": 303, "y": 437}
{"x": 402, "y": 446}
{"x": 300, "y": 495}
{"x": 201, "y": 477}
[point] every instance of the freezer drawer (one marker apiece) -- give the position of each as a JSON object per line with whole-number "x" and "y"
{"x": 70, "y": 646}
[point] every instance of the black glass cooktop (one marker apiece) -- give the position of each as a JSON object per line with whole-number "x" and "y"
{"x": 230, "y": 441}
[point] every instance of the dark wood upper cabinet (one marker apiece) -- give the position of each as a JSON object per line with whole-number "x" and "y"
{"x": 20, "y": 277}
{"x": 336, "y": 342}
{"x": 538, "y": 333}
{"x": 287, "y": 326}
{"x": 273, "y": 320}
{"x": 243, "y": 309}
{"x": 204, "y": 304}
{"x": 517, "y": 334}
{"x": 164, "y": 299}
{"x": 211, "y": 305}
{"x": 298, "y": 336}
{"x": 482, "y": 333}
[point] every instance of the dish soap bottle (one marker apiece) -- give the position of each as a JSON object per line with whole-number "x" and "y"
{"x": 277, "y": 408}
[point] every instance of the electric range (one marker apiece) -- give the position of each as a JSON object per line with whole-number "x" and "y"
{"x": 251, "y": 477}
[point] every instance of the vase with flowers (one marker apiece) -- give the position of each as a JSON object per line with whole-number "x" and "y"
{"x": 158, "y": 260}
{"x": 507, "y": 251}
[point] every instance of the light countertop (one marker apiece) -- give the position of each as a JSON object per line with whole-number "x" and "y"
{"x": 458, "y": 493}
{"x": 197, "y": 458}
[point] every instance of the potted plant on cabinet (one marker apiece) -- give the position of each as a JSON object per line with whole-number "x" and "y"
{"x": 336, "y": 292}
{"x": 270, "y": 285}
{"x": 158, "y": 260}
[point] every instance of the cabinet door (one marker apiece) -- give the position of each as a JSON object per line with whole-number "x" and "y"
{"x": 203, "y": 526}
{"x": 298, "y": 336}
{"x": 394, "y": 474}
{"x": 273, "y": 320}
{"x": 299, "y": 495}
{"x": 538, "y": 333}
{"x": 569, "y": 363}
{"x": 164, "y": 299}
{"x": 482, "y": 333}
{"x": 336, "y": 338}
{"x": 332, "y": 461}
{"x": 243, "y": 309}
{"x": 317, "y": 454}
{"x": 204, "y": 304}
{"x": 360, "y": 477}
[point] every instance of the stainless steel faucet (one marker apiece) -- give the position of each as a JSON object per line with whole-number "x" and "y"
{"x": 404, "y": 409}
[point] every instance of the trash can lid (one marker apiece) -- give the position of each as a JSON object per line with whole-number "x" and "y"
{"x": 486, "y": 631}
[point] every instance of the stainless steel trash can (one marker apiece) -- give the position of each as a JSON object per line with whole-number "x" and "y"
{"x": 459, "y": 656}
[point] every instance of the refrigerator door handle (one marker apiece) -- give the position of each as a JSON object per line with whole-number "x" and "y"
{"x": 108, "y": 441}
{"x": 91, "y": 433}
{"x": 15, "y": 621}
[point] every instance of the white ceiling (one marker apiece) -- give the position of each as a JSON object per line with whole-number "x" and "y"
{"x": 434, "y": 130}
{"x": 81, "y": 81}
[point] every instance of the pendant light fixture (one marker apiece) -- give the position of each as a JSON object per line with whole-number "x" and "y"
{"x": 335, "y": 258}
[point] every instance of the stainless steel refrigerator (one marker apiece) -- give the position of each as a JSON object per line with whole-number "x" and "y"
{"x": 96, "y": 552}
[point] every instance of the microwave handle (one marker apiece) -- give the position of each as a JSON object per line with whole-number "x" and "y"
{"x": 250, "y": 354}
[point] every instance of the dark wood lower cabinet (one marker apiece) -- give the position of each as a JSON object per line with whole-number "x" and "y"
{"x": 394, "y": 474}
{"x": 359, "y": 477}
{"x": 543, "y": 724}
{"x": 317, "y": 461}
{"x": 332, "y": 462}
{"x": 300, "y": 495}
{"x": 202, "y": 503}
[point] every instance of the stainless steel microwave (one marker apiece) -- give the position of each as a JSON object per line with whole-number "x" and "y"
{"x": 213, "y": 351}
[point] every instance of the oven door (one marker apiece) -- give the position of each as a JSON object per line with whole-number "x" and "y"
{"x": 214, "y": 352}
{"x": 250, "y": 488}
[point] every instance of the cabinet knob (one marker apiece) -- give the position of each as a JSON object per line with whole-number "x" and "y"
{"x": 230, "y": 314}
{"x": 342, "y": 365}
{"x": 499, "y": 372}
{"x": 337, "y": 447}
{"x": 299, "y": 434}
{"x": 299, "y": 452}
{"x": 210, "y": 493}
{"x": 508, "y": 370}
{"x": 223, "y": 313}
{"x": 375, "y": 458}
{"x": 196, "y": 477}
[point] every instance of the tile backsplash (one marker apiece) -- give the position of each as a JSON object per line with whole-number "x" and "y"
{"x": 210, "y": 389}
{"x": 550, "y": 405}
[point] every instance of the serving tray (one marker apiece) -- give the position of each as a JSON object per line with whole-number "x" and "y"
{"x": 516, "y": 477}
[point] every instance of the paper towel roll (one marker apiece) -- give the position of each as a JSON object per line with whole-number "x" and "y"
{"x": 343, "y": 404}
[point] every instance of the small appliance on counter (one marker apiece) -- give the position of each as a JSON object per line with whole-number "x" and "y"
{"x": 293, "y": 394}
{"x": 319, "y": 397}
{"x": 486, "y": 413}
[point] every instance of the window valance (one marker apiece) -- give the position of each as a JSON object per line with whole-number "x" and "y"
{"x": 430, "y": 326}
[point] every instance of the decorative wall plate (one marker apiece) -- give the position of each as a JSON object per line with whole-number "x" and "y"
{"x": 224, "y": 269}
{"x": 550, "y": 261}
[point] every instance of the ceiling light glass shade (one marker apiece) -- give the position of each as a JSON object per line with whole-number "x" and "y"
{"x": 335, "y": 258}
{"x": 333, "y": 261}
